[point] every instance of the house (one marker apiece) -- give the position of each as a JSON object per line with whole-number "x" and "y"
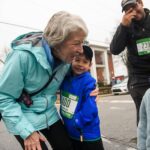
{"x": 102, "y": 69}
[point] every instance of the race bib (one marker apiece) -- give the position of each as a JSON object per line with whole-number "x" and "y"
{"x": 143, "y": 46}
{"x": 68, "y": 104}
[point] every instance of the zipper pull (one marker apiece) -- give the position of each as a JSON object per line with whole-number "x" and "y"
{"x": 81, "y": 138}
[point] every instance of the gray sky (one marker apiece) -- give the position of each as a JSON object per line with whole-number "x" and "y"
{"x": 101, "y": 16}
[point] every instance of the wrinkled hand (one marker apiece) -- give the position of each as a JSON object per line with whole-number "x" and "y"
{"x": 128, "y": 16}
{"x": 32, "y": 142}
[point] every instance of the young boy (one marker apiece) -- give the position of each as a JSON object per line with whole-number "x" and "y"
{"x": 78, "y": 109}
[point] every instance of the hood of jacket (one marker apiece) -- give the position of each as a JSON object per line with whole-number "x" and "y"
{"x": 32, "y": 42}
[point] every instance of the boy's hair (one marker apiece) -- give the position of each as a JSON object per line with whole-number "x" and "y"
{"x": 87, "y": 52}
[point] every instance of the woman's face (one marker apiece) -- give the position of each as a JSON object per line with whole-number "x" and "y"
{"x": 71, "y": 46}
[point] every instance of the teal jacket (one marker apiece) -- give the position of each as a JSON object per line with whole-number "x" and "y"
{"x": 143, "y": 131}
{"x": 27, "y": 67}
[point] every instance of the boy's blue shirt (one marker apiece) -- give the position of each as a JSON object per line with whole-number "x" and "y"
{"x": 80, "y": 115}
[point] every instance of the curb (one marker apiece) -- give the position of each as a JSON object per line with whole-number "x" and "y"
{"x": 105, "y": 95}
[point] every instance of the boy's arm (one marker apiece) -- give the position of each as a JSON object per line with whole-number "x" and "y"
{"x": 89, "y": 108}
{"x": 142, "y": 133}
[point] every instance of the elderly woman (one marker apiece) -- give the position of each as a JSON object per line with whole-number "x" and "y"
{"x": 35, "y": 59}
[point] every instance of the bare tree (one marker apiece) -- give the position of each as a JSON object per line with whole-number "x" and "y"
{"x": 4, "y": 54}
{"x": 123, "y": 55}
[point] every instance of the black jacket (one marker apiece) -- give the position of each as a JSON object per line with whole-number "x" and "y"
{"x": 127, "y": 37}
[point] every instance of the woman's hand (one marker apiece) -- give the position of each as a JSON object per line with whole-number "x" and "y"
{"x": 32, "y": 142}
{"x": 95, "y": 92}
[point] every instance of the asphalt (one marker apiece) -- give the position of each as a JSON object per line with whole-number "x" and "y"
{"x": 117, "y": 133}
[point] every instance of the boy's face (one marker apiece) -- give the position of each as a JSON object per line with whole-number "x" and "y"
{"x": 80, "y": 64}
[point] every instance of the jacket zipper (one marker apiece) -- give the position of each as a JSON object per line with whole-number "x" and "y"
{"x": 45, "y": 114}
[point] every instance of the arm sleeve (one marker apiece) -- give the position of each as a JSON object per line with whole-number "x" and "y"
{"x": 142, "y": 131}
{"x": 119, "y": 40}
{"x": 11, "y": 85}
{"x": 88, "y": 110}
{"x": 147, "y": 121}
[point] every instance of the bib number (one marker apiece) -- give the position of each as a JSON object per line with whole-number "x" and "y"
{"x": 143, "y": 46}
{"x": 68, "y": 104}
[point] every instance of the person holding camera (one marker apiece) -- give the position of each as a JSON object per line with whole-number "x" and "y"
{"x": 133, "y": 33}
{"x": 32, "y": 74}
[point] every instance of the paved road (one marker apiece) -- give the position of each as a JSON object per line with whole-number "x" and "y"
{"x": 118, "y": 125}
{"x": 118, "y": 122}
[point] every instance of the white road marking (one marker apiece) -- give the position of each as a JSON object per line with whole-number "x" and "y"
{"x": 121, "y": 101}
{"x": 117, "y": 108}
{"x": 131, "y": 149}
{"x": 116, "y": 101}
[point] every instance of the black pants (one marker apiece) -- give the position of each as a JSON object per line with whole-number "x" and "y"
{"x": 89, "y": 145}
{"x": 56, "y": 136}
{"x": 137, "y": 87}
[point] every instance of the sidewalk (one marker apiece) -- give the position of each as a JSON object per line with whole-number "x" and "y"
{"x": 7, "y": 141}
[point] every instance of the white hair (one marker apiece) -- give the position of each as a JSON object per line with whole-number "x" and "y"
{"x": 61, "y": 25}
